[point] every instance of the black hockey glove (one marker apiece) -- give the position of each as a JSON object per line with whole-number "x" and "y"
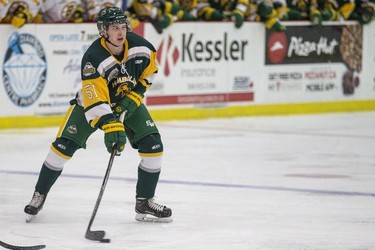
{"x": 114, "y": 135}
{"x": 128, "y": 104}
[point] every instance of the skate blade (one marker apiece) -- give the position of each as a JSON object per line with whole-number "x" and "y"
{"x": 151, "y": 219}
{"x": 29, "y": 217}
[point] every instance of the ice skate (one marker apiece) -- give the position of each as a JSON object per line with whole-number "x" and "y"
{"x": 149, "y": 211}
{"x": 35, "y": 205}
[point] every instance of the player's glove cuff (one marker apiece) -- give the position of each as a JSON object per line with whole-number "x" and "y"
{"x": 135, "y": 97}
{"x": 114, "y": 135}
{"x": 128, "y": 104}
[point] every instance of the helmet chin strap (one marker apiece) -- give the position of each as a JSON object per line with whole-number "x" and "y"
{"x": 107, "y": 40}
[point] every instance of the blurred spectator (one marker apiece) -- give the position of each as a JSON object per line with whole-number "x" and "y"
{"x": 174, "y": 7}
{"x": 160, "y": 13}
{"x": 190, "y": 7}
{"x": 364, "y": 11}
{"x": 299, "y": 10}
{"x": 21, "y": 12}
{"x": 92, "y": 7}
{"x": 213, "y": 10}
{"x": 163, "y": 13}
{"x": 233, "y": 9}
{"x": 251, "y": 13}
{"x": 150, "y": 10}
{"x": 333, "y": 10}
{"x": 4, "y": 6}
{"x": 268, "y": 15}
{"x": 62, "y": 11}
{"x": 207, "y": 12}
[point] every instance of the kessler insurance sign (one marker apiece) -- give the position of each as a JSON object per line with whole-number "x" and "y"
{"x": 205, "y": 65}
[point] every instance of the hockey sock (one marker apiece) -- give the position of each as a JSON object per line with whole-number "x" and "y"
{"x": 146, "y": 184}
{"x": 47, "y": 178}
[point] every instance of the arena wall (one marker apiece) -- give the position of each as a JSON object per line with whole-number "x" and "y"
{"x": 206, "y": 70}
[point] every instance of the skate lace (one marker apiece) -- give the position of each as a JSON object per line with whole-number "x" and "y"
{"x": 154, "y": 205}
{"x": 37, "y": 200}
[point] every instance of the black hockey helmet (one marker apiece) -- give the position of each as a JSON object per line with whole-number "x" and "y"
{"x": 108, "y": 16}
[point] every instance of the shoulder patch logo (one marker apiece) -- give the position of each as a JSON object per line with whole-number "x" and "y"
{"x": 88, "y": 69}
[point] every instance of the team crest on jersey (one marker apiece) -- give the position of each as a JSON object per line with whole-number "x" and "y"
{"x": 88, "y": 69}
{"x": 123, "y": 90}
{"x": 125, "y": 85}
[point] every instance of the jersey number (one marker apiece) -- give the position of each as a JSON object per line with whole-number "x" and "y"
{"x": 90, "y": 91}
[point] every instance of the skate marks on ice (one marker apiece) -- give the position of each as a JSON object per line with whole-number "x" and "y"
{"x": 274, "y": 183}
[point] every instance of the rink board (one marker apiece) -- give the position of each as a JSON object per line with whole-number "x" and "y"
{"x": 205, "y": 70}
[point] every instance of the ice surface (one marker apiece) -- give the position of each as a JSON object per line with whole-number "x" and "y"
{"x": 290, "y": 182}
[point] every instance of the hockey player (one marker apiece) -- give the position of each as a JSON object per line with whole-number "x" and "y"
{"x": 117, "y": 69}
{"x": 22, "y": 11}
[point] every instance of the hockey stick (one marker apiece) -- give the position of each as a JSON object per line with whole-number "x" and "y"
{"x": 13, "y": 247}
{"x": 98, "y": 235}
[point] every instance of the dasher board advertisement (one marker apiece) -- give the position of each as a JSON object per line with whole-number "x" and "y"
{"x": 310, "y": 63}
{"x": 206, "y": 63}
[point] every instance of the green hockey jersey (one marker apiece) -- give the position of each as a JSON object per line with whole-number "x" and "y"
{"x": 106, "y": 79}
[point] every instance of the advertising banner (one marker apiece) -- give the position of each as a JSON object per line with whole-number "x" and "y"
{"x": 41, "y": 66}
{"x": 204, "y": 63}
{"x": 23, "y": 79}
{"x": 309, "y": 63}
{"x": 64, "y": 47}
{"x": 368, "y": 73}
{"x": 201, "y": 64}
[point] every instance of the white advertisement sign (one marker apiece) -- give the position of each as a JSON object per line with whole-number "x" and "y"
{"x": 64, "y": 46}
{"x": 200, "y": 63}
{"x": 206, "y": 63}
{"x": 41, "y": 67}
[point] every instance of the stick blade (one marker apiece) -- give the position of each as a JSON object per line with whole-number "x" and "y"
{"x": 14, "y": 247}
{"x": 95, "y": 235}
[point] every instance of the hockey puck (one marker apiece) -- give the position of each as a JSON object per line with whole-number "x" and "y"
{"x": 105, "y": 240}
